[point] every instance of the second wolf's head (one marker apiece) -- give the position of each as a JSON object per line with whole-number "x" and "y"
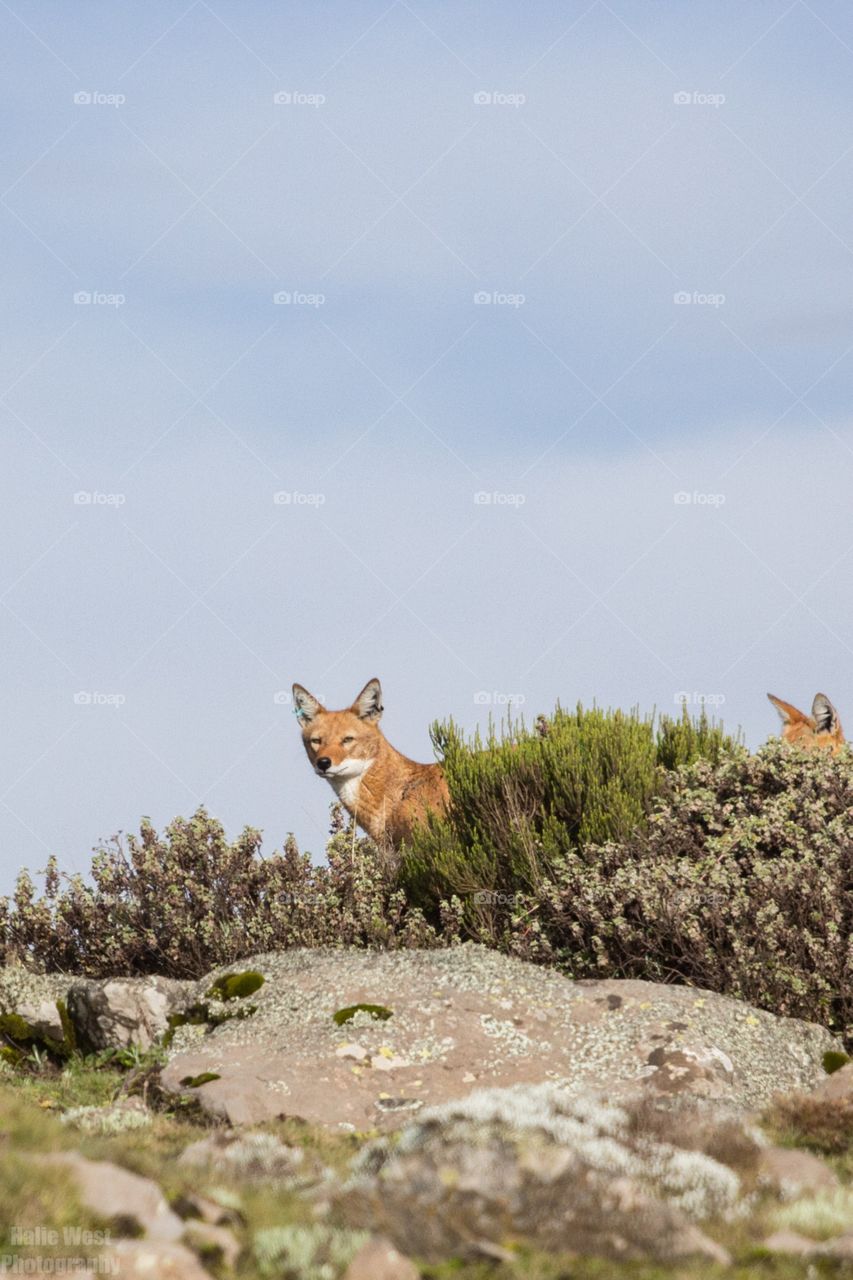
{"x": 821, "y": 731}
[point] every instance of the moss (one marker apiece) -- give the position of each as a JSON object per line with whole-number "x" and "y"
{"x": 68, "y": 1031}
{"x": 16, "y": 1028}
{"x": 376, "y": 1011}
{"x": 234, "y": 986}
{"x": 195, "y": 1082}
{"x": 833, "y": 1061}
{"x": 21, "y": 1033}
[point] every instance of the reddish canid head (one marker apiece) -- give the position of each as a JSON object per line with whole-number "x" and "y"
{"x": 340, "y": 744}
{"x": 821, "y": 731}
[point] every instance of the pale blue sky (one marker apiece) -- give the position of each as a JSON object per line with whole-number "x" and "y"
{"x": 625, "y": 153}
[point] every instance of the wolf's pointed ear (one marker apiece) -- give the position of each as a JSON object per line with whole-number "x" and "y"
{"x": 368, "y": 704}
{"x": 789, "y": 714}
{"x": 305, "y": 705}
{"x": 824, "y": 714}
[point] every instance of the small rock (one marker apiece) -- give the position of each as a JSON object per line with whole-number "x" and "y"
{"x": 836, "y": 1086}
{"x": 33, "y": 997}
{"x": 205, "y": 1208}
{"x": 43, "y": 1017}
{"x": 258, "y": 1156}
{"x": 356, "y": 1052}
{"x": 389, "y": 1064}
{"x": 789, "y": 1242}
{"x": 214, "y": 1244}
{"x": 146, "y": 1259}
{"x": 792, "y": 1173}
{"x": 379, "y": 1260}
{"x": 134, "y": 1204}
{"x": 840, "y": 1248}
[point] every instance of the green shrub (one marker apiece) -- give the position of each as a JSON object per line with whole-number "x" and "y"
{"x": 520, "y": 806}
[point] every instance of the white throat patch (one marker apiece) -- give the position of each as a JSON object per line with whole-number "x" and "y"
{"x": 347, "y": 780}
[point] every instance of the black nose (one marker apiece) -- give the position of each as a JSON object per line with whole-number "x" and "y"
{"x": 324, "y": 763}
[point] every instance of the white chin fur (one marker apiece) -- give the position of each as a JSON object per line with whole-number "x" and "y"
{"x": 346, "y": 779}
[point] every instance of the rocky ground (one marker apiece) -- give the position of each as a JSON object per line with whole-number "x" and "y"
{"x": 312, "y": 1115}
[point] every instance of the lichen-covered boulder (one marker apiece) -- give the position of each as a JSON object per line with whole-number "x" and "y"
{"x": 563, "y": 1173}
{"x": 117, "y": 1013}
{"x": 36, "y": 998}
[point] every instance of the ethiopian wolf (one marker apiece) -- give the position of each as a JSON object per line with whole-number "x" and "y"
{"x": 821, "y": 731}
{"x": 385, "y": 792}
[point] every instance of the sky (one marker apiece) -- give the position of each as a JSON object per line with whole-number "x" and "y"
{"x": 503, "y": 352}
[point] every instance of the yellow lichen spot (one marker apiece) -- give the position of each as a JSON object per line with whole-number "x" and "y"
{"x": 385, "y": 1051}
{"x": 699, "y": 1004}
{"x": 645, "y": 1004}
{"x": 752, "y": 1020}
{"x": 384, "y": 1095}
{"x": 357, "y": 1071}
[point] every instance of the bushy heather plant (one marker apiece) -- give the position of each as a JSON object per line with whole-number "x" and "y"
{"x": 184, "y": 902}
{"x": 741, "y": 881}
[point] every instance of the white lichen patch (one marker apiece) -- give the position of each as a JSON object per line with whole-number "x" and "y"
{"x": 818, "y": 1217}
{"x": 106, "y": 1120}
{"x": 595, "y": 1134}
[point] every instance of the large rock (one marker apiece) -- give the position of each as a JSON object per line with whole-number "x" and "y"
{"x": 147, "y": 1259}
{"x": 118, "y": 1013}
{"x": 134, "y": 1205}
{"x": 379, "y": 1260}
{"x": 563, "y": 1173}
{"x": 469, "y": 1017}
{"x": 793, "y": 1173}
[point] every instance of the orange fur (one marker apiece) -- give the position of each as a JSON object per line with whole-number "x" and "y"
{"x": 820, "y": 731}
{"x": 384, "y": 791}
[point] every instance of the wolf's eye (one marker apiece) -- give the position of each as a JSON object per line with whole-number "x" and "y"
{"x": 344, "y": 741}
{"x": 315, "y": 742}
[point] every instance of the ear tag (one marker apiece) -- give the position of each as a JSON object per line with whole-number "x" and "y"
{"x": 299, "y": 712}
